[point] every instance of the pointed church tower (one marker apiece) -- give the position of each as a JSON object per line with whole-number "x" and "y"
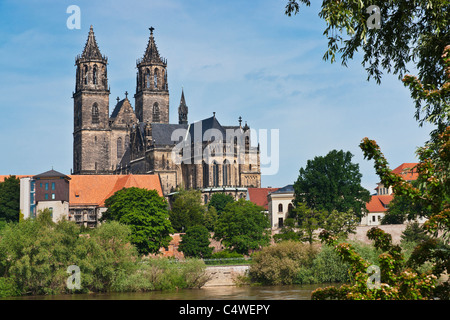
{"x": 91, "y": 111}
{"x": 182, "y": 110}
{"x": 152, "y": 90}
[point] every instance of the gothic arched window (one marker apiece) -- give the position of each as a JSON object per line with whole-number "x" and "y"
{"x": 95, "y": 115}
{"x": 147, "y": 78}
{"x": 155, "y": 79}
{"x": 280, "y": 207}
{"x": 226, "y": 172}
{"x": 119, "y": 148}
{"x": 94, "y": 75}
{"x": 86, "y": 69}
{"x": 155, "y": 112}
{"x": 215, "y": 174}
{"x": 205, "y": 175}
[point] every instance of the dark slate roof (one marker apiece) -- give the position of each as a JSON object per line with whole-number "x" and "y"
{"x": 205, "y": 125}
{"x": 117, "y": 109}
{"x": 162, "y": 133}
{"x": 51, "y": 174}
{"x": 287, "y": 189}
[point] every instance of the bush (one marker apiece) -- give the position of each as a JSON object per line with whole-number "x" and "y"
{"x": 8, "y": 287}
{"x": 281, "y": 263}
{"x": 327, "y": 266}
{"x": 164, "y": 274}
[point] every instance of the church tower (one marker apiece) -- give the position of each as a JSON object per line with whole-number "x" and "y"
{"x": 91, "y": 111}
{"x": 152, "y": 90}
{"x": 182, "y": 110}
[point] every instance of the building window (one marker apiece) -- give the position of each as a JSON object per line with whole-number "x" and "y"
{"x": 226, "y": 172}
{"x": 46, "y": 196}
{"x": 119, "y": 148}
{"x": 94, "y": 75}
{"x": 215, "y": 174}
{"x": 156, "y": 112}
{"x": 155, "y": 79}
{"x": 46, "y": 186}
{"x": 205, "y": 175}
{"x": 32, "y": 185}
{"x": 147, "y": 78}
{"x": 280, "y": 207}
{"x": 53, "y": 186}
{"x": 53, "y": 196}
{"x": 95, "y": 115}
{"x": 280, "y": 222}
{"x": 86, "y": 74}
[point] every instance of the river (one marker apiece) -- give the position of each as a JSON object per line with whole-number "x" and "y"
{"x": 291, "y": 292}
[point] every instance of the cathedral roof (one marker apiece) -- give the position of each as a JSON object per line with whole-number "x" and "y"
{"x": 162, "y": 133}
{"x": 151, "y": 54}
{"x": 91, "y": 50}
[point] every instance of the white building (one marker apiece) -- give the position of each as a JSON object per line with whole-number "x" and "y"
{"x": 280, "y": 203}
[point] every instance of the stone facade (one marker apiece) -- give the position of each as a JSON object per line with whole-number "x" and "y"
{"x": 202, "y": 155}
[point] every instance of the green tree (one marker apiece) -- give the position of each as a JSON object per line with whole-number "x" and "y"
{"x": 145, "y": 212}
{"x": 187, "y": 210}
{"x": 10, "y": 199}
{"x": 195, "y": 243}
{"x": 332, "y": 183}
{"x": 288, "y": 232}
{"x": 219, "y": 201}
{"x": 243, "y": 226}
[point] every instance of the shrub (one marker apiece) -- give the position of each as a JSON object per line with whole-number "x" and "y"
{"x": 282, "y": 262}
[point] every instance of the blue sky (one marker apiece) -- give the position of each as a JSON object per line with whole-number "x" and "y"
{"x": 235, "y": 58}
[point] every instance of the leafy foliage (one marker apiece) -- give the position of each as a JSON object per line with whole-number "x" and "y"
{"x": 10, "y": 199}
{"x": 187, "y": 210}
{"x": 281, "y": 263}
{"x": 145, "y": 212}
{"x": 398, "y": 281}
{"x": 195, "y": 243}
{"x": 219, "y": 201}
{"x": 243, "y": 226}
{"x": 332, "y": 183}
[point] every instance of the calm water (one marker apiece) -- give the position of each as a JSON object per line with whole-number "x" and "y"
{"x": 294, "y": 292}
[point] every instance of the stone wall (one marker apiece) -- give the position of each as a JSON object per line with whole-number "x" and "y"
{"x": 395, "y": 230}
{"x": 224, "y": 275}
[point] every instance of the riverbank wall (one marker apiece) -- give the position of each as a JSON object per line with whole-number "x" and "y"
{"x": 224, "y": 275}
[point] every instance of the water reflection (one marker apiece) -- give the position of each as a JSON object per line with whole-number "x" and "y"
{"x": 294, "y": 292}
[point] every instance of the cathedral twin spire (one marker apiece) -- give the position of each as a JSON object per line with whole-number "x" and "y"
{"x": 91, "y": 50}
{"x": 152, "y": 71}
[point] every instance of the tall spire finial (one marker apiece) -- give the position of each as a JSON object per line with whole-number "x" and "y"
{"x": 151, "y": 30}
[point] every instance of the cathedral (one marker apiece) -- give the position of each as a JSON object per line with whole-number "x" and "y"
{"x": 202, "y": 155}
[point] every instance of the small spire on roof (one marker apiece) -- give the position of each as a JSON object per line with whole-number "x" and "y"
{"x": 126, "y": 94}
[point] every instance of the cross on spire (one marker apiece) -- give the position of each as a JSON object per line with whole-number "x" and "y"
{"x": 126, "y": 94}
{"x": 151, "y": 30}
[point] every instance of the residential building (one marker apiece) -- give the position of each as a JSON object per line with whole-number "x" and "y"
{"x": 379, "y": 203}
{"x": 280, "y": 204}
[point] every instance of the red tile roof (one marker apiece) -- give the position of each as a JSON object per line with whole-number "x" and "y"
{"x": 259, "y": 196}
{"x": 378, "y": 203}
{"x": 2, "y": 178}
{"x": 407, "y": 171}
{"x": 95, "y": 189}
